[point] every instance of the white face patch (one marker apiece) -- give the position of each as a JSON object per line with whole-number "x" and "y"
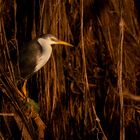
{"x": 46, "y": 53}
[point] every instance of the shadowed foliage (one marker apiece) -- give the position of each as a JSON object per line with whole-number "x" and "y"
{"x": 88, "y": 92}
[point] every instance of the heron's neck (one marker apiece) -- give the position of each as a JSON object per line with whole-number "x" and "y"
{"x": 46, "y": 53}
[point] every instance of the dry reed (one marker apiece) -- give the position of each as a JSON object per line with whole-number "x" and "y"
{"x": 83, "y": 92}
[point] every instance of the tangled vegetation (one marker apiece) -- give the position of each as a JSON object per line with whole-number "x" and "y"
{"x": 88, "y": 92}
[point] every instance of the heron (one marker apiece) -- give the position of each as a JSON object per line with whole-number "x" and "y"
{"x": 35, "y": 54}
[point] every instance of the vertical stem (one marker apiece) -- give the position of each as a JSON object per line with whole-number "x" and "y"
{"x": 120, "y": 80}
{"x": 82, "y": 47}
{"x": 42, "y": 8}
{"x": 33, "y": 32}
{"x": 15, "y": 22}
{"x": 15, "y": 35}
{"x": 86, "y": 88}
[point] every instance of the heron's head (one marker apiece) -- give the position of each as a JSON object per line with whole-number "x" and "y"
{"x": 50, "y": 40}
{"x": 45, "y": 42}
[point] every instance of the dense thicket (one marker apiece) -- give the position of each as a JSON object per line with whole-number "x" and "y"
{"x": 90, "y": 91}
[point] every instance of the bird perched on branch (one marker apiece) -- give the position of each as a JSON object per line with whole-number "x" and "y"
{"x": 34, "y": 55}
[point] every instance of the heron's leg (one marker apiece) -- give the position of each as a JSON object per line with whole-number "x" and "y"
{"x": 24, "y": 89}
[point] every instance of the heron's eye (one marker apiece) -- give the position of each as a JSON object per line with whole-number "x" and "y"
{"x": 54, "y": 39}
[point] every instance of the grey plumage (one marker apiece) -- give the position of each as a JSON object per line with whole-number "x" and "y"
{"x": 28, "y": 58}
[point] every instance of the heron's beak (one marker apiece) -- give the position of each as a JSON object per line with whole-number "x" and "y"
{"x": 64, "y": 43}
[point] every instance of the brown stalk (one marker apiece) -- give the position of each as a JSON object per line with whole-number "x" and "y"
{"x": 86, "y": 87}
{"x": 120, "y": 79}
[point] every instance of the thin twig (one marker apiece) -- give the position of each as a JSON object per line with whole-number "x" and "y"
{"x": 120, "y": 79}
{"x": 6, "y": 114}
{"x": 98, "y": 122}
{"x": 86, "y": 90}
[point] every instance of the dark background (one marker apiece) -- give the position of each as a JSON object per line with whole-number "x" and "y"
{"x": 78, "y": 86}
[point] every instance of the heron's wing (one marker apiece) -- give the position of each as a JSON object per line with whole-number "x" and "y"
{"x": 28, "y": 57}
